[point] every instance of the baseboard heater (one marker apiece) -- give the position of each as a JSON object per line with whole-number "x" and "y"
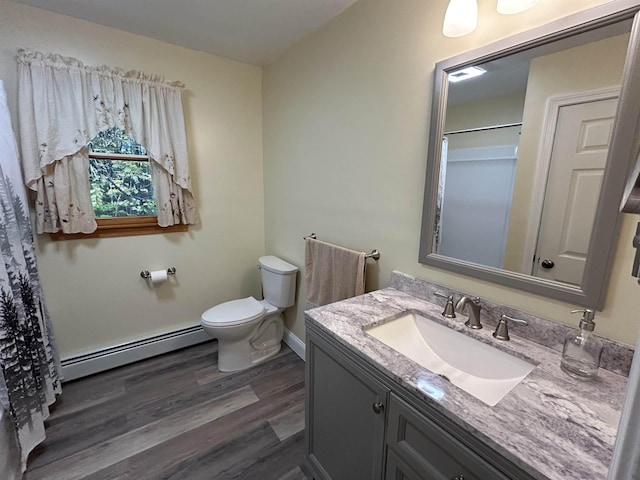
{"x": 116, "y": 356}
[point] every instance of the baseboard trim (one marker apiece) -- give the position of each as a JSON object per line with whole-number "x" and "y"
{"x": 294, "y": 343}
{"x": 111, "y": 357}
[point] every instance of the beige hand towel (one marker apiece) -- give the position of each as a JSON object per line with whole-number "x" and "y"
{"x": 332, "y": 273}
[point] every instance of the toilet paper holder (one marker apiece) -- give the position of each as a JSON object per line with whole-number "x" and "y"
{"x": 146, "y": 274}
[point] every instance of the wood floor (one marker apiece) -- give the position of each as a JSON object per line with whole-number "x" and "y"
{"x": 177, "y": 417}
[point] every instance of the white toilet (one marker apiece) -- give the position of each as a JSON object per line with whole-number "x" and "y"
{"x": 250, "y": 331}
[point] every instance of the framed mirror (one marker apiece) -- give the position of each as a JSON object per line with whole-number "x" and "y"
{"x": 531, "y": 142}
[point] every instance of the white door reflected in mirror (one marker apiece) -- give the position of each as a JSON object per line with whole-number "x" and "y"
{"x": 579, "y": 156}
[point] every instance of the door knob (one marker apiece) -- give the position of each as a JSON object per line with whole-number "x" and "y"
{"x": 546, "y": 263}
{"x": 378, "y": 407}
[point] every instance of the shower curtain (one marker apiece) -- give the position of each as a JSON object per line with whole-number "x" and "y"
{"x": 29, "y": 365}
{"x": 439, "y": 202}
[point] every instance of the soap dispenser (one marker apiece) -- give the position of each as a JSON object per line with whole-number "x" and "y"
{"x": 582, "y": 349}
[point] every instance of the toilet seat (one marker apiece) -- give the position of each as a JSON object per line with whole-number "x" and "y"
{"x": 234, "y": 312}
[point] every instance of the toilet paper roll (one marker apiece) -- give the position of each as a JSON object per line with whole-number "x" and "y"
{"x": 158, "y": 276}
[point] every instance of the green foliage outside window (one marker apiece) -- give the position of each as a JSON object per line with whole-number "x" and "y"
{"x": 115, "y": 141}
{"x": 120, "y": 188}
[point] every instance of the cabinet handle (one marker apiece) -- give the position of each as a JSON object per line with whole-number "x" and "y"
{"x": 458, "y": 477}
{"x": 378, "y": 407}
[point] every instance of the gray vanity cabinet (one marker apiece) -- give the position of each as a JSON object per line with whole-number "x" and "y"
{"x": 362, "y": 425}
{"x": 419, "y": 448}
{"x": 345, "y": 416}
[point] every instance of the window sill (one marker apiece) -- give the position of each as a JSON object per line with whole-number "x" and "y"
{"x": 122, "y": 227}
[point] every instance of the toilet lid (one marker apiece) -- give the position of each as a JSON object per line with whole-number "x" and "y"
{"x": 233, "y": 313}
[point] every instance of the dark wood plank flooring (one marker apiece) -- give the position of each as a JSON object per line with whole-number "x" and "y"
{"x": 177, "y": 417}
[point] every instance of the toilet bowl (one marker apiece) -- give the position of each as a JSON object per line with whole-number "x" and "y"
{"x": 250, "y": 331}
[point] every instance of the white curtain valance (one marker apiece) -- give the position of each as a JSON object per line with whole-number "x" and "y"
{"x": 64, "y": 104}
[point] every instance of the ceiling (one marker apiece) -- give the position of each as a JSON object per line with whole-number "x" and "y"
{"x": 251, "y": 31}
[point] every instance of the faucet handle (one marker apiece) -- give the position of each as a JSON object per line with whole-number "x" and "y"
{"x": 502, "y": 330}
{"x": 449, "y": 310}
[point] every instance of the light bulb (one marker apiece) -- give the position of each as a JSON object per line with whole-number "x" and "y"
{"x": 461, "y": 18}
{"x": 508, "y": 7}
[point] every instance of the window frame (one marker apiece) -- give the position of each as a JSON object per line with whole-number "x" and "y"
{"x": 122, "y": 226}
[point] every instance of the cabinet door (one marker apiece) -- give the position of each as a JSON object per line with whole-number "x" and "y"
{"x": 429, "y": 450}
{"x": 399, "y": 470}
{"x": 345, "y": 417}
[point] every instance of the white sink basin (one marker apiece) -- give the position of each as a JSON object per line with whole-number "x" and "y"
{"x": 477, "y": 368}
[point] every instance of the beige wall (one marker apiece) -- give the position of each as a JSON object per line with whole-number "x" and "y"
{"x": 345, "y": 134}
{"x": 93, "y": 288}
{"x": 586, "y": 68}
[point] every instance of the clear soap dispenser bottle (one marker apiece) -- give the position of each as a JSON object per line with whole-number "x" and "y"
{"x": 582, "y": 349}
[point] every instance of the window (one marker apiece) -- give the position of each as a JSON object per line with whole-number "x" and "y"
{"x": 65, "y": 101}
{"x": 121, "y": 188}
{"x": 120, "y": 176}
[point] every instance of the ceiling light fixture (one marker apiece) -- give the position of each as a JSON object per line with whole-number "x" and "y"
{"x": 461, "y": 18}
{"x": 508, "y": 7}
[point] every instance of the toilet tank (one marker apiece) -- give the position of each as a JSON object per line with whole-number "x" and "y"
{"x": 278, "y": 281}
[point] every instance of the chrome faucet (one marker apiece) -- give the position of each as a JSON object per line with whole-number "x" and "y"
{"x": 473, "y": 311}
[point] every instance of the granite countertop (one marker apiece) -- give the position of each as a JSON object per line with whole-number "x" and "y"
{"x": 552, "y": 426}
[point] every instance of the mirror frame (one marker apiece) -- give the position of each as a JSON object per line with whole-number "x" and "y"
{"x": 620, "y": 159}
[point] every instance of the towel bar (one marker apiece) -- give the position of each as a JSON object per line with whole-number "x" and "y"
{"x": 375, "y": 254}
